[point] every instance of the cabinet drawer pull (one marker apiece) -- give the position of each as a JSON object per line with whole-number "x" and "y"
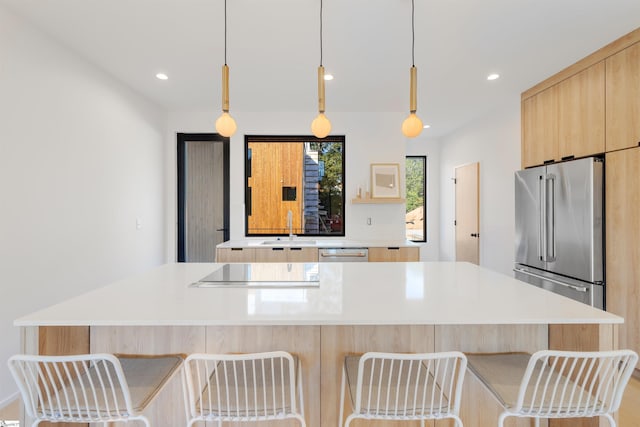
{"x": 546, "y": 162}
{"x": 571, "y": 157}
{"x": 277, "y": 249}
{"x": 236, "y": 249}
{"x": 295, "y": 249}
{"x": 393, "y": 248}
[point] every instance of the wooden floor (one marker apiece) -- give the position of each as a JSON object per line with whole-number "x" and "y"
{"x": 629, "y": 415}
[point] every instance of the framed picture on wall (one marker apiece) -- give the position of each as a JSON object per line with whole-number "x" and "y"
{"x": 385, "y": 180}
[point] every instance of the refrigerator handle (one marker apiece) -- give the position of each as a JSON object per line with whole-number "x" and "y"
{"x": 542, "y": 220}
{"x": 550, "y": 223}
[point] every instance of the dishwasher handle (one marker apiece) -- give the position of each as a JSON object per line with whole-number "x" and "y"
{"x": 343, "y": 254}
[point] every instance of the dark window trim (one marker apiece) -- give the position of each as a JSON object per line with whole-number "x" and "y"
{"x": 182, "y": 139}
{"x": 424, "y": 198}
{"x": 295, "y": 138}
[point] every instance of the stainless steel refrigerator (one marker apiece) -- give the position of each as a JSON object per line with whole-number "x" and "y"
{"x": 559, "y": 229}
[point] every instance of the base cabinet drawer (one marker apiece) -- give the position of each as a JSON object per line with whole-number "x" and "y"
{"x": 394, "y": 254}
{"x": 270, "y": 254}
{"x": 236, "y": 255}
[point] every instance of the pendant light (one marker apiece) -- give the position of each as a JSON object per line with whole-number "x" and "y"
{"x": 225, "y": 125}
{"x": 321, "y": 126}
{"x": 412, "y": 125}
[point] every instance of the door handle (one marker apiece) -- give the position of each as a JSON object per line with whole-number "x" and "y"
{"x": 475, "y": 234}
{"x": 222, "y": 229}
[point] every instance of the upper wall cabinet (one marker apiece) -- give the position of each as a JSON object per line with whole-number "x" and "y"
{"x": 540, "y": 128}
{"x": 623, "y": 98}
{"x": 581, "y": 113}
{"x": 566, "y": 119}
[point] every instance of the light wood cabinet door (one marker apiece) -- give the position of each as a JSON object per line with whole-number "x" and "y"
{"x": 271, "y": 255}
{"x": 540, "y": 128}
{"x": 235, "y": 255}
{"x": 302, "y": 254}
{"x": 581, "y": 113}
{"x": 622, "y": 199}
{"x": 623, "y": 99}
{"x": 282, "y": 254}
{"x": 394, "y": 254}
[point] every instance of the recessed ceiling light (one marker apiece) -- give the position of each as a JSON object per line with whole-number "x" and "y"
{"x": 328, "y": 76}
{"x": 493, "y": 76}
{"x": 162, "y": 76}
{"x": 426, "y": 126}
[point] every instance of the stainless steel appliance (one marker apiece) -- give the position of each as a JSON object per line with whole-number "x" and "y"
{"x": 343, "y": 255}
{"x": 559, "y": 228}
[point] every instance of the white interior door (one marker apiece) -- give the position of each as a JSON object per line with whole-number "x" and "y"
{"x": 467, "y": 220}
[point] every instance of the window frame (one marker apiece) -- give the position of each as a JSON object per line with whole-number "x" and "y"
{"x": 261, "y": 138}
{"x": 424, "y": 196}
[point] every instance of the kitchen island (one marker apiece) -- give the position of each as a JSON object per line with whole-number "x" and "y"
{"x": 329, "y": 310}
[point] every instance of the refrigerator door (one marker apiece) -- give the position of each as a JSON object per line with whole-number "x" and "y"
{"x": 586, "y": 293}
{"x": 528, "y": 191}
{"x": 574, "y": 219}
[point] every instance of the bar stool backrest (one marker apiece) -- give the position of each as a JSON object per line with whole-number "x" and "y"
{"x": 243, "y": 387}
{"x": 574, "y": 384}
{"x": 417, "y": 386}
{"x": 81, "y": 388}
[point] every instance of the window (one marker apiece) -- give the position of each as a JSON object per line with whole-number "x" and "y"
{"x": 416, "y": 179}
{"x": 301, "y": 177}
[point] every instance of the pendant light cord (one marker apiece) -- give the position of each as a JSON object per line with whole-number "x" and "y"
{"x": 413, "y": 34}
{"x": 320, "y": 33}
{"x": 225, "y": 32}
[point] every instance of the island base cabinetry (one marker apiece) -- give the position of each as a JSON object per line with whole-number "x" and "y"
{"x": 321, "y": 350}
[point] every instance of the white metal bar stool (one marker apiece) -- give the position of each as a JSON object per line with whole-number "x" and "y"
{"x": 392, "y": 386}
{"x": 243, "y": 387}
{"x": 556, "y": 384}
{"x": 91, "y": 387}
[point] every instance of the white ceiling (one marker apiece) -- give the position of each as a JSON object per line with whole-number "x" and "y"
{"x": 273, "y": 49}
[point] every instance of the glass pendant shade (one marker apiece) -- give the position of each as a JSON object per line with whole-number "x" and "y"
{"x": 412, "y": 126}
{"x": 226, "y": 125}
{"x": 320, "y": 126}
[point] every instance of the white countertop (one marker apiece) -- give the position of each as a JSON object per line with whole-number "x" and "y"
{"x": 312, "y": 242}
{"x": 348, "y": 294}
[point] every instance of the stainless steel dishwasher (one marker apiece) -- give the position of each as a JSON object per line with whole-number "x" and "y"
{"x": 343, "y": 255}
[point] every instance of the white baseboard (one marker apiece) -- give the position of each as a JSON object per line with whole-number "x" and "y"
{"x": 6, "y": 402}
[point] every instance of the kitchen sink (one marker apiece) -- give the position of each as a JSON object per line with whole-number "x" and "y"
{"x": 285, "y": 242}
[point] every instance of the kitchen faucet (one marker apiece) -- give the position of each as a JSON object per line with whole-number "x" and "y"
{"x": 290, "y": 224}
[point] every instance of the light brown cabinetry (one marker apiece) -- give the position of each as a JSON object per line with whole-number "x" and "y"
{"x": 282, "y": 254}
{"x": 235, "y": 255}
{"x": 581, "y": 113}
{"x": 268, "y": 254}
{"x": 623, "y": 98}
{"x": 540, "y": 128}
{"x": 394, "y": 254}
{"x": 566, "y": 119}
{"x": 622, "y": 201}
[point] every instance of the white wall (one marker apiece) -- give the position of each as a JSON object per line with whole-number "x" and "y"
{"x": 81, "y": 157}
{"x": 370, "y": 138}
{"x": 494, "y": 141}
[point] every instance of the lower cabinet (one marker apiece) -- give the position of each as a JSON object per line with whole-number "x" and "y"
{"x": 286, "y": 255}
{"x": 270, "y": 254}
{"x": 235, "y": 255}
{"x": 394, "y": 254}
{"x": 622, "y": 208}
{"x": 307, "y": 254}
